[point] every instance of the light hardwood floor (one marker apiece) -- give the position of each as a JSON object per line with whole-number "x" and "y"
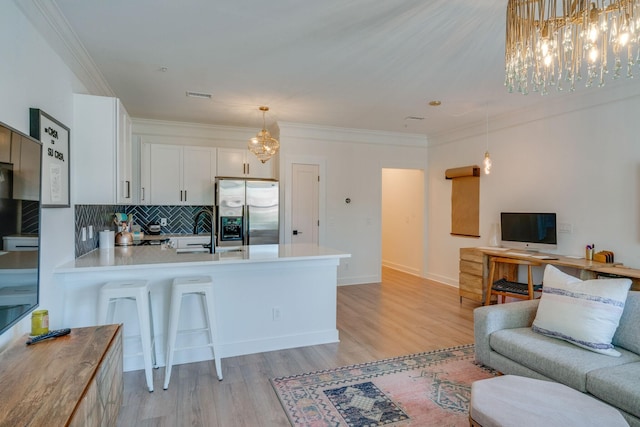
{"x": 402, "y": 315}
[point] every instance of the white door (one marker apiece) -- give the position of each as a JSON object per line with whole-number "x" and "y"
{"x": 305, "y": 203}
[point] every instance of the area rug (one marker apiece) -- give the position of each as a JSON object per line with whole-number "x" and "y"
{"x": 425, "y": 389}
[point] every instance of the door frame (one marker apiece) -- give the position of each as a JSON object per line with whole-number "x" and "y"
{"x": 287, "y": 168}
{"x": 418, "y": 164}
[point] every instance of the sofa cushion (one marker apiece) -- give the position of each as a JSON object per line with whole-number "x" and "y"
{"x": 618, "y": 386}
{"x": 553, "y": 358}
{"x": 584, "y": 313}
{"x": 628, "y": 333}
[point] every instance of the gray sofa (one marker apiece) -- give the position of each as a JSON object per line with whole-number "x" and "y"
{"x": 505, "y": 342}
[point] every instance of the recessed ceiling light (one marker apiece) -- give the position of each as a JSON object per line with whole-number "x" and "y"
{"x": 163, "y": 69}
{"x": 200, "y": 95}
{"x": 435, "y": 103}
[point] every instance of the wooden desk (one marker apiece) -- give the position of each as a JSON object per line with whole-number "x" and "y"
{"x": 474, "y": 269}
{"x": 74, "y": 380}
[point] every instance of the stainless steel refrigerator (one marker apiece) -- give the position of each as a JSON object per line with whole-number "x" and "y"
{"x": 246, "y": 212}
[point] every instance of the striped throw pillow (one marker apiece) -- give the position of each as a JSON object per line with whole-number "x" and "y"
{"x": 584, "y": 313}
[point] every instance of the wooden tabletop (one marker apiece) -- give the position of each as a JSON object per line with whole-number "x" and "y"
{"x": 41, "y": 384}
{"x": 566, "y": 261}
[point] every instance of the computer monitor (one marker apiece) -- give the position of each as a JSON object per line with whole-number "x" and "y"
{"x": 532, "y": 231}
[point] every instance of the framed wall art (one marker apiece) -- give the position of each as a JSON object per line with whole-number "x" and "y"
{"x": 54, "y": 137}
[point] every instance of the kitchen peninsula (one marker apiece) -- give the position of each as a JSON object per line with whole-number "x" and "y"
{"x": 267, "y": 297}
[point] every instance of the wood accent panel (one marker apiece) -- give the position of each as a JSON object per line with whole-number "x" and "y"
{"x": 465, "y": 206}
{"x": 71, "y": 380}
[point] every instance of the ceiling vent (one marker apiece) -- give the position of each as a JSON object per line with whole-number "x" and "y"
{"x": 200, "y": 95}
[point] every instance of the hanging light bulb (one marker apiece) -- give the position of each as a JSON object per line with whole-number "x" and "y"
{"x": 487, "y": 163}
{"x": 487, "y": 158}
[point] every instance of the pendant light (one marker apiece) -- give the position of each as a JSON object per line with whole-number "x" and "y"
{"x": 487, "y": 158}
{"x": 263, "y": 145}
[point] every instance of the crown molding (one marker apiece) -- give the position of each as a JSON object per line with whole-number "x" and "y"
{"x": 288, "y": 130}
{"x": 555, "y": 105}
{"x": 49, "y": 21}
{"x": 362, "y": 136}
{"x": 151, "y": 127}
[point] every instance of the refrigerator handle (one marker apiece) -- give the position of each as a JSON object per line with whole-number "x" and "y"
{"x": 247, "y": 228}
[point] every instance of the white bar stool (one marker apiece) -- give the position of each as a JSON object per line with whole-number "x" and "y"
{"x": 203, "y": 287}
{"x": 140, "y": 292}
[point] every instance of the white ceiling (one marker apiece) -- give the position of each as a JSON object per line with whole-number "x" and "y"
{"x": 367, "y": 64}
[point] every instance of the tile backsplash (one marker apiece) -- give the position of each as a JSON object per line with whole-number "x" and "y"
{"x": 179, "y": 220}
{"x": 30, "y": 217}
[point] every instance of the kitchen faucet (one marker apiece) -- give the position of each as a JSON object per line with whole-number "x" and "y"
{"x": 195, "y": 227}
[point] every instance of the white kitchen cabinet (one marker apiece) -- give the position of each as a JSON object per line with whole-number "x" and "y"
{"x": 234, "y": 162}
{"x": 192, "y": 241}
{"x": 102, "y": 151}
{"x": 26, "y": 158}
{"x": 145, "y": 174}
{"x": 124, "y": 164}
{"x": 20, "y": 243}
{"x": 179, "y": 175}
{"x": 5, "y": 144}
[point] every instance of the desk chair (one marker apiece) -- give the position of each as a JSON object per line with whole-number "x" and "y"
{"x": 508, "y": 286}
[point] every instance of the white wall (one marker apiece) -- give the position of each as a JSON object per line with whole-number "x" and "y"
{"x": 403, "y": 220}
{"x": 573, "y": 157}
{"x": 354, "y": 160}
{"x": 33, "y": 76}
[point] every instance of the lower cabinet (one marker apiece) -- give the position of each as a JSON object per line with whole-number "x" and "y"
{"x": 74, "y": 380}
{"x": 472, "y": 274}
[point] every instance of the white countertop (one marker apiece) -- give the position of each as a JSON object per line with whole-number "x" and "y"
{"x": 19, "y": 261}
{"x": 150, "y": 256}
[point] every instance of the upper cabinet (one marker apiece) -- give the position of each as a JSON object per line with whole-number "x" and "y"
{"x": 5, "y": 145}
{"x": 102, "y": 151}
{"x": 234, "y": 162}
{"x": 177, "y": 174}
{"x": 26, "y": 159}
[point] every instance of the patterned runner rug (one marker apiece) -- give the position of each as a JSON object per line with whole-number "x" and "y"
{"x": 425, "y": 389}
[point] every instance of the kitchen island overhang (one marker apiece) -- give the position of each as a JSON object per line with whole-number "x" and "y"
{"x": 267, "y": 297}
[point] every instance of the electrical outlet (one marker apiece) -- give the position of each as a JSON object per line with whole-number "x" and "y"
{"x": 276, "y": 313}
{"x": 163, "y": 222}
{"x": 84, "y": 234}
{"x": 564, "y": 227}
{"x": 91, "y": 231}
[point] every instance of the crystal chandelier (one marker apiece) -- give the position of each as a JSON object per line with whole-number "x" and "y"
{"x": 263, "y": 145}
{"x": 552, "y": 43}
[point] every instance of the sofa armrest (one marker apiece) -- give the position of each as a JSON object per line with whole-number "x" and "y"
{"x": 489, "y": 319}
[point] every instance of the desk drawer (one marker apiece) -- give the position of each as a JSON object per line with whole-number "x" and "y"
{"x": 469, "y": 267}
{"x": 471, "y": 255}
